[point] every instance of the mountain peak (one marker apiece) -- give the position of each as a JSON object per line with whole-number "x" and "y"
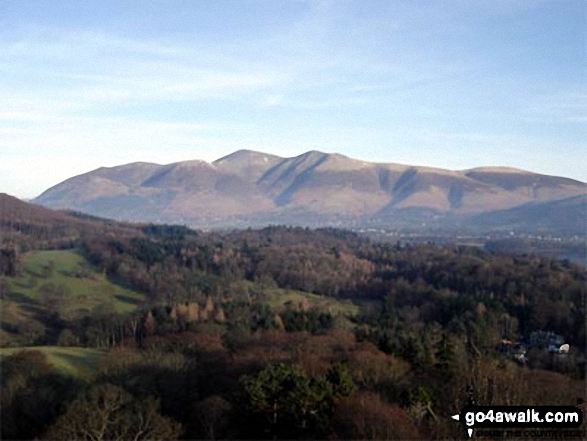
{"x": 193, "y": 163}
{"x": 314, "y": 154}
{"x": 316, "y": 183}
{"x": 248, "y": 164}
{"x": 497, "y": 169}
{"x": 246, "y": 155}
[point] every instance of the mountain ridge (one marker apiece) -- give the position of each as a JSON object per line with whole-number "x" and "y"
{"x": 250, "y": 183}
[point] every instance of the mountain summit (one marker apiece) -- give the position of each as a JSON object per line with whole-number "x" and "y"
{"x": 248, "y": 186}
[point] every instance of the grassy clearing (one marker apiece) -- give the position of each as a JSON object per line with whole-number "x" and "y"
{"x": 60, "y": 282}
{"x": 279, "y": 299}
{"x": 69, "y": 272}
{"x": 79, "y": 362}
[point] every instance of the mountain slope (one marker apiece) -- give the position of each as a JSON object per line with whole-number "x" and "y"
{"x": 247, "y": 164}
{"x": 32, "y": 226}
{"x": 247, "y": 184}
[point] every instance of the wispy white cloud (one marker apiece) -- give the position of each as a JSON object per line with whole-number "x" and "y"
{"x": 91, "y": 67}
{"x": 577, "y": 119}
{"x": 385, "y": 81}
{"x": 568, "y": 106}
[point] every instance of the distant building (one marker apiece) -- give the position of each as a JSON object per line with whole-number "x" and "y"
{"x": 545, "y": 339}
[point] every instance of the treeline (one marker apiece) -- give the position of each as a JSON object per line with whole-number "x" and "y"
{"x": 32, "y": 227}
{"x": 208, "y": 356}
{"x": 236, "y": 320}
{"x": 274, "y": 385}
{"x": 448, "y": 285}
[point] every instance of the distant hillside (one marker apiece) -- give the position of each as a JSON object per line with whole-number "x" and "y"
{"x": 15, "y": 212}
{"x": 25, "y": 223}
{"x": 249, "y": 187}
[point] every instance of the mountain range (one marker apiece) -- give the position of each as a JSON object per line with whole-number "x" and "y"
{"x": 252, "y": 188}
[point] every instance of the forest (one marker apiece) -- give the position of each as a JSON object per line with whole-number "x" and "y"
{"x": 277, "y": 333}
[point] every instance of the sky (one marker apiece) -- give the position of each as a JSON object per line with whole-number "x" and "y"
{"x": 453, "y": 84}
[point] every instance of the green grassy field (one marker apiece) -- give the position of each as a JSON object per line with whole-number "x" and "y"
{"x": 60, "y": 282}
{"x": 68, "y": 272}
{"x": 343, "y": 311}
{"x": 279, "y": 299}
{"x": 75, "y": 361}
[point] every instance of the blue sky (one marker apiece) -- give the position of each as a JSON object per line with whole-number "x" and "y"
{"x": 453, "y": 84}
